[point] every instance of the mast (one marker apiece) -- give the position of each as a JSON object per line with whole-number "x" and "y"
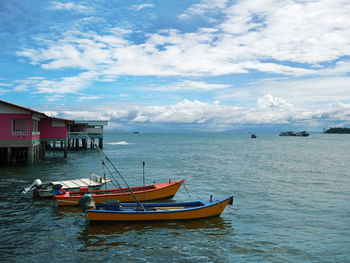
{"x": 131, "y": 191}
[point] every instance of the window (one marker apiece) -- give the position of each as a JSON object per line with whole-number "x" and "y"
{"x": 20, "y": 126}
{"x": 57, "y": 123}
{"x": 35, "y": 126}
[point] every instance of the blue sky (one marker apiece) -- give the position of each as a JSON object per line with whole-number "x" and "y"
{"x": 205, "y": 65}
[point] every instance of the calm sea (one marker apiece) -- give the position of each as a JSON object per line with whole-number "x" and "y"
{"x": 292, "y": 201}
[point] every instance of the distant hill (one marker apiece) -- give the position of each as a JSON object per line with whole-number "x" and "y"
{"x": 338, "y": 130}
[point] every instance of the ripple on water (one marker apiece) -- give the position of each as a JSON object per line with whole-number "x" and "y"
{"x": 292, "y": 202}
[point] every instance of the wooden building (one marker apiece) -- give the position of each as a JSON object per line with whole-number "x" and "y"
{"x": 24, "y": 133}
{"x": 84, "y": 132}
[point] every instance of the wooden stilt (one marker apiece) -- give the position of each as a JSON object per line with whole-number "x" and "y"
{"x": 100, "y": 143}
{"x": 9, "y": 156}
{"x": 65, "y": 148}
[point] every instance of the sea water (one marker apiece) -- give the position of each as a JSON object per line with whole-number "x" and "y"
{"x": 291, "y": 201}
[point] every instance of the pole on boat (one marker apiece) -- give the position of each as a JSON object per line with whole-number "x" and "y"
{"x": 143, "y": 173}
{"x": 115, "y": 168}
{"x": 104, "y": 174}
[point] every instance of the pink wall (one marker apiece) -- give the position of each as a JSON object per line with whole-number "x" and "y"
{"x": 6, "y": 127}
{"x": 45, "y": 128}
{"x": 49, "y": 132}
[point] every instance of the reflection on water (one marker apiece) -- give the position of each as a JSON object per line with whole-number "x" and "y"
{"x": 123, "y": 227}
{"x": 164, "y": 236}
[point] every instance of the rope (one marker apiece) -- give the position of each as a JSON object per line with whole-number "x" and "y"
{"x": 190, "y": 193}
{"x": 115, "y": 182}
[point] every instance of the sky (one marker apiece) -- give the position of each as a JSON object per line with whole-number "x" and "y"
{"x": 184, "y": 65}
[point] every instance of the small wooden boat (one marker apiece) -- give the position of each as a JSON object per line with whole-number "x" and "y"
{"x": 143, "y": 193}
{"x": 157, "y": 211}
{"x": 48, "y": 189}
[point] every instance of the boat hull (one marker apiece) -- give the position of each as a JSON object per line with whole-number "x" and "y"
{"x": 153, "y": 192}
{"x": 163, "y": 212}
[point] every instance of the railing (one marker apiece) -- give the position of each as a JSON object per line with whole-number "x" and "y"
{"x": 22, "y": 133}
{"x": 36, "y": 133}
{"x": 85, "y": 134}
{"x": 77, "y": 133}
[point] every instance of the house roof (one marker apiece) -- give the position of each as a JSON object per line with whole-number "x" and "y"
{"x": 23, "y": 108}
{"x": 33, "y": 111}
{"x": 60, "y": 119}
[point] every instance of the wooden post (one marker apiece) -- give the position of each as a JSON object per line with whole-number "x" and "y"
{"x": 43, "y": 150}
{"x": 9, "y": 155}
{"x": 65, "y": 148}
{"x": 84, "y": 142}
{"x": 92, "y": 143}
{"x": 30, "y": 153}
{"x": 100, "y": 143}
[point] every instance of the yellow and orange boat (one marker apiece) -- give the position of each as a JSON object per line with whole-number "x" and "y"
{"x": 114, "y": 211}
{"x": 143, "y": 193}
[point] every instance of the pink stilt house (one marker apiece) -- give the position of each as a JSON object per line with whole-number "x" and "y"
{"x": 24, "y": 133}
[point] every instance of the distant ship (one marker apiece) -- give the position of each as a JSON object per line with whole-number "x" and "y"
{"x": 291, "y": 133}
{"x": 253, "y": 135}
{"x": 302, "y": 133}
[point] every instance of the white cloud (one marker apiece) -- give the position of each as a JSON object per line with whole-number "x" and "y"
{"x": 51, "y": 113}
{"x": 54, "y": 97}
{"x": 291, "y": 38}
{"x": 308, "y": 92}
{"x": 268, "y": 110}
{"x": 204, "y": 7}
{"x": 189, "y": 85}
{"x": 253, "y": 35}
{"x": 3, "y": 91}
{"x": 270, "y": 102}
{"x": 5, "y": 84}
{"x": 140, "y": 7}
{"x": 305, "y": 32}
{"x": 89, "y": 97}
{"x": 69, "y": 6}
{"x": 65, "y": 85}
{"x": 27, "y": 84}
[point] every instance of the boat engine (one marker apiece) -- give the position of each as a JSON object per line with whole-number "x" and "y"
{"x": 36, "y": 184}
{"x": 86, "y": 202}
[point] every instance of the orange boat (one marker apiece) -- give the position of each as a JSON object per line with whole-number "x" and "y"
{"x": 156, "y": 211}
{"x": 143, "y": 193}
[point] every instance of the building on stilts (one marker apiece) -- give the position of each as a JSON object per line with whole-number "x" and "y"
{"x": 26, "y": 134}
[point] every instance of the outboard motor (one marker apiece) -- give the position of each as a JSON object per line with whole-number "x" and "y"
{"x": 86, "y": 202}
{"x": 36, "y": 184}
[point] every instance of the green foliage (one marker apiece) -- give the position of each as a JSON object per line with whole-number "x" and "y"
{"x": 338, "y": 130}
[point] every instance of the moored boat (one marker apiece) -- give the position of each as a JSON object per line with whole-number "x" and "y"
{"x": 157, "y": 211}
{"x": 143, "y": 193}
{"x": 48, "y": 189}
